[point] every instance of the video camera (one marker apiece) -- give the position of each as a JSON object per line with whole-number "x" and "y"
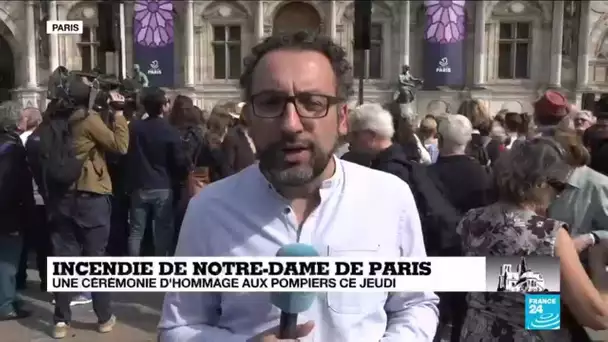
{"x": 73, "y": 89}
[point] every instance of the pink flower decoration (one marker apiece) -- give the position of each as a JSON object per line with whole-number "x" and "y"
{"x": 153, "y": 22}
{"x": 445, "y": 21}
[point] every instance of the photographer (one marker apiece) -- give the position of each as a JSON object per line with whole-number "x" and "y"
{"x": 76, "y": 137}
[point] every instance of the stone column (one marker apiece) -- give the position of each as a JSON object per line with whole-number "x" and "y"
{"x": 123, "y": 40}
{"x": 331, "y": 20}
{"x": 557, "y": 35}
{"x": 479, "y": 59}
{"x": 189, "y": 26}
{"x": 582, "y": 67}
{"x": 405, "y": 32}
{"x": 259, "y": 20}
{"x": 53, "y": 38}
{"x": 30, "y": 47}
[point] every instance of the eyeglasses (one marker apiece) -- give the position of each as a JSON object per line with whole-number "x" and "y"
{"x": 559, "y": 187}
{"x": 272, "y": 104}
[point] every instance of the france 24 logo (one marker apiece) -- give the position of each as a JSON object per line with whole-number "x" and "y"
{"x": 543, "y": 312}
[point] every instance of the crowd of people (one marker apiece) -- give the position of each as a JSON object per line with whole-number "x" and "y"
{"x": 138, "y": 172}
{"x": 296, "y": 164}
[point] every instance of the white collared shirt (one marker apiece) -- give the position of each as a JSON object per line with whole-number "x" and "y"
{"x": 363, "y": 212}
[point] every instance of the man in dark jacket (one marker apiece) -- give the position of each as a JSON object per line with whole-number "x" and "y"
{"x": 371, "y": 130}
{"x": 17, "y": 206}
{"x": 155, "y": 162}
{"x": 463, "y": 180}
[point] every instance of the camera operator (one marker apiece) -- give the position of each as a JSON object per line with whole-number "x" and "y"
{"x": 119, "y": 227}
{"x": 81, "y": 215}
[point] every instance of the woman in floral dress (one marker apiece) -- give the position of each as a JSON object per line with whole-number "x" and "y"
{"x": 528, "y": 178}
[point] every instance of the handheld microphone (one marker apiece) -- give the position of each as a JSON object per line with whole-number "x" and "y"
{"x": 292, "y": 303}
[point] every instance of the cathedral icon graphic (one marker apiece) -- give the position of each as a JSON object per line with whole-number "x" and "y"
{"x": 524, "y": 280}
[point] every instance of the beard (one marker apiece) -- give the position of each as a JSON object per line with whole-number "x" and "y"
{"x": 281, "y": 173}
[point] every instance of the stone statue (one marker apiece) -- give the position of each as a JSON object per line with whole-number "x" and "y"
{"x": 140, "y": 76}
{"x": 407, "y": 87}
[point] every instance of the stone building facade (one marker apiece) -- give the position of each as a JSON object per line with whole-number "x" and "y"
{"x": 515, "y": 50}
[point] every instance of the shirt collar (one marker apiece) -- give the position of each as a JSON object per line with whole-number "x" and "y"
{"x": 577, "y": 177}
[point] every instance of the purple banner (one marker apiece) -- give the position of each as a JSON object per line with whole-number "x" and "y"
{"x": 444, "y": 43}
{"x": 153, "y": 49}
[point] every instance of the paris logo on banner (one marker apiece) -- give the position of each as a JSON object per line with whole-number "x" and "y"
{"x": 153, "y": 46}
{"x": 444, "y": 43}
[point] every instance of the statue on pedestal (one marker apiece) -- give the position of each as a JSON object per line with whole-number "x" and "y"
{"x": 407, "y": 87}
{"x": 140, "y": 76}
{"x": 406, "y": 90}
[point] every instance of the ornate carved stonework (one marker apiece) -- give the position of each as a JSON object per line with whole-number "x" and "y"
{"x": 542, "y": 9}
{"x": 224, "y": 10}
{"x": 380, "y": 11}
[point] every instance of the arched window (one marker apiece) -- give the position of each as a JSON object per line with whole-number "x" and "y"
{"x": 296, "y": 16}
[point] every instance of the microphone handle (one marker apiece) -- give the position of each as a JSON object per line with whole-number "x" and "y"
{"x": 288, "y": 325}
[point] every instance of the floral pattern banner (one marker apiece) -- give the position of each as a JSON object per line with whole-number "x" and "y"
{"x": 444, "y": 37}
{"x": 153, "y": 49}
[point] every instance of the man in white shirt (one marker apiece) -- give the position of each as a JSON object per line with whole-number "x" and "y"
{"x": 297, "y": 87}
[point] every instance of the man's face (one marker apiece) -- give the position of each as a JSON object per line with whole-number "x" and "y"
{"x": 581, "y": 124}
{"x": 22, "y": 123}
{"x": 293, "y": 150}
{"x": 167, "y": 107}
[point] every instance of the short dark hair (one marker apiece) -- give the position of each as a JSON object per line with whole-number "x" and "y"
{"x": 304, "y": 41}
{"x": 517, "y": 122}
{"x": 153, "y": 100}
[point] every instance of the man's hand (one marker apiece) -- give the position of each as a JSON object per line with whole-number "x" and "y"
{"x": 116, "y": 97}
{"x": 602, "y": 235}
{"x": 582, "y": 242}
{"x": 302, "y": 330}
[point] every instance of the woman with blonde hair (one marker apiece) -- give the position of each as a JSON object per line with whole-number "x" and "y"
{"x": 220, "y": 120}
{"x": 427, "y": 132}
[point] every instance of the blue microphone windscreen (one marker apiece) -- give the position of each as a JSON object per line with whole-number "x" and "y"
{"x": 294, "y": 302}
{"x": 297, "y": 250}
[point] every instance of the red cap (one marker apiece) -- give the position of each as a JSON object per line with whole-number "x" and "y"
{"x": 552, "y": 106}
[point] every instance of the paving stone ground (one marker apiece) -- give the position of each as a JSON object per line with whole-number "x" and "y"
{"x": 137, "y": 313}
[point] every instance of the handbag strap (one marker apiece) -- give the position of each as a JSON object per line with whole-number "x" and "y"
{"x": 198, "y": 149}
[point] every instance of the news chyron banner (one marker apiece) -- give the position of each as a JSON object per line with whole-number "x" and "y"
{"x": 302, "y": 274}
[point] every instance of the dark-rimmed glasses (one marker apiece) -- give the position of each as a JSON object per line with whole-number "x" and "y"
{"x": 559, "y": 187}
{"x": 308, "y": 105}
